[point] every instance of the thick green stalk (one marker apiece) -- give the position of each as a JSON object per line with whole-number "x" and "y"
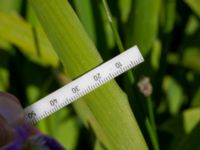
{"x": 106, "y": 109}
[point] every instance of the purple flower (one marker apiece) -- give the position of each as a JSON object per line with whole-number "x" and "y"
{"x": 24, "y": 141}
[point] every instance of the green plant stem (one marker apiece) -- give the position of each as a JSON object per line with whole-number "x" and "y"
{"x": 152, "y": 134}
{"x": 114, "y": 29}
{"x": 151, "y": 112}
{"x": 128, "y": 77}
{"x": 151, "y": 125}
{"x": 116, "y": 35}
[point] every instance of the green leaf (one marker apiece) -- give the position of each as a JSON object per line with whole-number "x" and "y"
{"x": 191, "y": 141}
{"x": 191, "y": 46}
{"x": 85, "y": 13}
{"x": 64, "y": 126}
{"x": 191, "y": 59}
{"x": 194, "y": 5}
{"x": 125, "y": 9}
{"x": 4, "y": 63}
{"x": 98, "y": 146}
{"x": 155, "y": 55}
{"x": 143, "y": 24}
{"x": 10, "y": 6}
{"x": 192, "y": 26}
{"x": 15, "y": 30}
{"x": 182, "y": 124}
{"x": 168, "y": 15}
{"x": 4, "y": 79}
{"x": 174, "y": 94}
{"x": 196, "y": 99}
{"x": 107, "y": 107}
{"x": 31, "y": 16}
{"x": 94, "y": 20}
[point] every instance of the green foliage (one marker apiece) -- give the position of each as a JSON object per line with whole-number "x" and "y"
{"x": 194, "y": 4}
{"x": 143, "y": 31}
{"x": 71, "y": 52}
{"x": 44, "y": 45}
{"x": 15, "y": 30}
{"x": 174, "y": 95}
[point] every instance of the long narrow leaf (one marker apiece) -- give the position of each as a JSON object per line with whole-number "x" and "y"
{"x": 107, "y": 106}
{"x": 143, "y": 24}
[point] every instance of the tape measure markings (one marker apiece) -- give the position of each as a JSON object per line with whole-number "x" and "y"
{"x": 83, "y": 85}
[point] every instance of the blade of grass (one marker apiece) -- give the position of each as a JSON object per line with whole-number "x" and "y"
{"x": 125, "y": 8}
{"x": 93, "y": 18}
{"x": 143, "y": 24}
{"x": 151, "y": 124}
{"x": 152, "y": 135}
{"x": 85, "y": 13}
{"x": 117, "y": 37}
{"x": 114, "y": 29}
{"x": 168, "y": 15}
{"x": 108, "y": 104}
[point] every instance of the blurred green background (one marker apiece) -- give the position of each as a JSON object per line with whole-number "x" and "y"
{"x": 168, "y": 35}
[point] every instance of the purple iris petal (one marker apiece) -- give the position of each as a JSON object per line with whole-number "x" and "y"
{"x": 22, "y": 138}
{"x": 50, "y": 143}
{"x": 21, "y": 134}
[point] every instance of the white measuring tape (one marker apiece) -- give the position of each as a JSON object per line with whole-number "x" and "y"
{"x": 83, "y": 85}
